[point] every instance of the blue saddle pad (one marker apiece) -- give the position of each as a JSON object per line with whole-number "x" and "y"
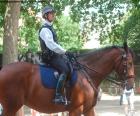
{"x": 49, "y": 80}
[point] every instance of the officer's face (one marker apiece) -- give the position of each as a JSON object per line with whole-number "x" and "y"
{"x": 51, "y": 16}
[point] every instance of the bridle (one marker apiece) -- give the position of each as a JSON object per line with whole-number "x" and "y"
{"x": 123, "y": 60}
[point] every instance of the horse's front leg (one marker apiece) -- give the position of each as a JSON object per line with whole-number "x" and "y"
{"x": 76, "y": 112}
{"x": 90, "y": 112}
{"x": 10, "y": 110}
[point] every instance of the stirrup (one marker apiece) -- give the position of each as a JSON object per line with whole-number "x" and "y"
{"x": 61, "y": 100}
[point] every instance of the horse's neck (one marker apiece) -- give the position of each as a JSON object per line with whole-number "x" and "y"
{"x": 101, "y": 65}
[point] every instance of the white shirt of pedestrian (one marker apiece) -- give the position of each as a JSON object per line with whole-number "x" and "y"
{"x": 47, "y": 36}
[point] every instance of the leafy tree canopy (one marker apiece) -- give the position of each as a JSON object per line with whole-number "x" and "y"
{"x": 132, "y": 28}
{"x": 102, "y": 16}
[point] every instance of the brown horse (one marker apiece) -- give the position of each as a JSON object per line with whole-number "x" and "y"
{"x": 20, "y": 83}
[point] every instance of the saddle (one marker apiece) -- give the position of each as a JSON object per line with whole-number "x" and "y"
{"x": 49, "y": 77}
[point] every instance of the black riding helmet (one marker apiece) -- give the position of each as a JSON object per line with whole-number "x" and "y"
{"x": 46, "y": 10}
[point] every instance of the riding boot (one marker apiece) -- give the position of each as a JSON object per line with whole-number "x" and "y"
{"x": 59, "y": 98}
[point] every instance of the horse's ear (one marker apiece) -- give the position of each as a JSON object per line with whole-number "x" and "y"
{"x": 125, "y": 45}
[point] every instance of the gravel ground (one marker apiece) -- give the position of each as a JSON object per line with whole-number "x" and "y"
{"x": 109, "y": 106}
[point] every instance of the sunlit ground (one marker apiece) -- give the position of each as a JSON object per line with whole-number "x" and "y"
{"x": 109, "y": 106}
{"x": 110, "y": 114}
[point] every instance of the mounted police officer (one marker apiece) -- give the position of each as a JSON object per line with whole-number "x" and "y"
{"x": 53, "y": 53}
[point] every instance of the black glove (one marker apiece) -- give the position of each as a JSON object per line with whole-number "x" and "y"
{"x": 69, "y": 54}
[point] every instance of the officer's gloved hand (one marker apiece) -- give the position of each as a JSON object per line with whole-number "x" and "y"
{"x": 69, "y": 54}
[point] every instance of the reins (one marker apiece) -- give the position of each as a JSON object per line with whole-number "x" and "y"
{"x": 82, "y": 68}
{"x": 122, "y": 60}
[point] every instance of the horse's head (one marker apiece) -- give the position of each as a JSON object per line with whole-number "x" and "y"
{"x": 124, "y": 66}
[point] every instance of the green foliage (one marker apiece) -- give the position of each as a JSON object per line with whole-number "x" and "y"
{"x": 102, "y": 16}
{"x": 2, "y": 12}
{"x": 101, "y": 13}
{"x": 137, "y": 3}
{"x": 29, "y": 29}
{"x": 132, "y": 28}
{"x": 68, "y": 33}
{"x": 128, "y": 30}
{"x": 115, "y": 37}
{"x": 28, "y": 39}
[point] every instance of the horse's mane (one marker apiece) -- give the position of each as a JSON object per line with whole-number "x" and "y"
{"x": 96, "y": 52}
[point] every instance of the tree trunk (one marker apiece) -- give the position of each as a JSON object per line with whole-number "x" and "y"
{"x": 11, "y": 34}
